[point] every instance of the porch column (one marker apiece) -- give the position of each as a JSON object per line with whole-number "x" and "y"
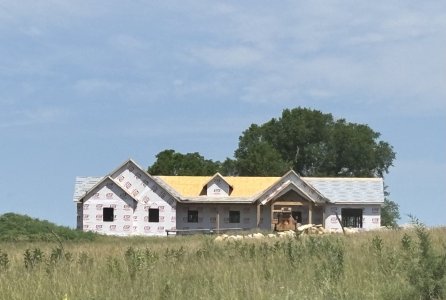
{"x": 271, "y": 220}
{"x": 323, "y": 216}
{"x": 310, "y": 213}
{"x": 258, "y": 215}
{"x": 218, "y": 221}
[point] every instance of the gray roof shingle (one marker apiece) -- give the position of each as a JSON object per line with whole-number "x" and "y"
{"x": 83, "y": 185}
{"x": 349, "y": 190}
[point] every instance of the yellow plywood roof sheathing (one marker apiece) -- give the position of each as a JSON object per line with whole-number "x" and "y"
{"x": 191, "y": 186}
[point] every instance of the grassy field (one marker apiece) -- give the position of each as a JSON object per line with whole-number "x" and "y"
{"x": 392, "y": 264}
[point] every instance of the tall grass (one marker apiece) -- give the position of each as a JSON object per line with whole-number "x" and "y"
{"x": 384, "y": 265}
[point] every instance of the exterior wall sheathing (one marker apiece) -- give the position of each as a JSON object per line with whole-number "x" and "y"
{"x": 371, "y": 216}
{"x": 207, "y": 216}
{"x": 131, "y": 215}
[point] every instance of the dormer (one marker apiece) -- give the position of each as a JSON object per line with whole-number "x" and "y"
{"x": 217, "y": 186}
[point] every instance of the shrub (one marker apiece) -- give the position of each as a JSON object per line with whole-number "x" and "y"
{"x": 16, "y": 227}
{"x": 4, "y": 260}
{"x": 427, "y": 271}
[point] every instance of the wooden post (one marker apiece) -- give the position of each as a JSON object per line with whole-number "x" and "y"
{"x": 340, "y": 223}
{"x": 272, "y": 208}
{"x": 258, "y": 215}
{"x": 323, "y": 216}
{"x": 218, "y": 221}
{"x": 310, "y": 213}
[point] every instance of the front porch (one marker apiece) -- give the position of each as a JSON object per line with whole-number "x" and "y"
{"x": 303, "y": 211}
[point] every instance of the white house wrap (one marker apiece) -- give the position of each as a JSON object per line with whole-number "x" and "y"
{"x": 129, "y": 201}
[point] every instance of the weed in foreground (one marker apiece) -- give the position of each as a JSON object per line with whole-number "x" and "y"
{"x": 427, "y": 273}
{"x": 4, "y": 260}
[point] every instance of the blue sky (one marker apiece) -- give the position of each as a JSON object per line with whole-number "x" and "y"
{"x": 87, "y": 84}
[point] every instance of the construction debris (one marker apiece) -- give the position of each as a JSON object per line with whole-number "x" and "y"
{"x": 311, "y": 229}
{"x": 307, "y": 229}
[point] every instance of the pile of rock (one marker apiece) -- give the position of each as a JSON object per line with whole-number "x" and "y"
{"x": 286, "y": 234}
{"x": 308, "y": 229}
{"x": 225, "y": 237}
{"x": 257, "y": 236}
{"x": 349, "y": 230}
{"x": 319, "y": 229}
{"x": 311, "y": 229}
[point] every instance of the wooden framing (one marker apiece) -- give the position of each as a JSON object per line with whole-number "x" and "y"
{"x": 218, "y": 221}
{"x": 310, "y": 213}
{"x": 258, "y": 215}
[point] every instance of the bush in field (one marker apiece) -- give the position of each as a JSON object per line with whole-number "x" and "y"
{"x": 33, "y": 258}
{"x": 137, "y": 260}
{"x": 427, "y": 270}
{"x": 15, "y": 227}
{"x": 421, "y": 266}
{"x": 4, "y": 260}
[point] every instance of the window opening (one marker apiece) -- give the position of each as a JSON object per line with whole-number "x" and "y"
{"x": 192, "y": 216}
{"x": 352, "y": 217}
{"x": 234, "y": 216}
{"x": 154, "y": 215}
{"x": 108, "y": 214}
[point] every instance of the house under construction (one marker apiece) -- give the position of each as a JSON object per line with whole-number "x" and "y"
{"x": 129, "y": 201}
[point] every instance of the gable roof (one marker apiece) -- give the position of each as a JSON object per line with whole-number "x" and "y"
{"x": 291, "y": 180}
{"x": 217, "y": 175}
{"x": 286, "y": 187}
{"x": 83, "y": 185}
{"x": 333, "y": 189}
{"x": 249, "y": 189}
{"x": 214, "y": 178}
{"x": 103, "y": 181}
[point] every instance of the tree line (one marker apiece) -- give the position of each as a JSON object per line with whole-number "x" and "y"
{"x": 307, "y": 141}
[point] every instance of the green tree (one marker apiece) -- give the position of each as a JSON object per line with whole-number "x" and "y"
{"x": 229, "y": 168}
{"x": 256, "y": 157}
{"x": 390, "y": 213}
{"x": 314, "y": 144}
{"x": 169, "y": 162}
{"x": 308, "y": 141}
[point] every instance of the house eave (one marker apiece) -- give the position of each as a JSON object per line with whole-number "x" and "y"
{"x": 357, "y": 203}
{"x": 216, "y": 200}
{"x": 82, "y": 199}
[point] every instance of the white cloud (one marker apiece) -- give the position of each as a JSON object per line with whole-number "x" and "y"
{"x": 390, "y": 54}
{"x": 386, "y": 54}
